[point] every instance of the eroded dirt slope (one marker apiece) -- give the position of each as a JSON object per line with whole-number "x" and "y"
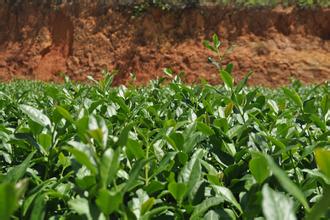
{"x": 38, "y": 42}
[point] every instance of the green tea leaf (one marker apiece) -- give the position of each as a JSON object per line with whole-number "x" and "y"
{"x": 207, "y": 45}
{"x": 133, "y": 175}
{"x": 243, "y": 82}
{"x": 64, "y": 113}
{"x": 28, "y": 137}
{"x": 229, "y": 68}
{"x": 191, "y": 137}
{"x": 124, "y": 135}
{"x": 212, "y": 215}
{"x": 277, "y": 143}
{"x": 81, "y": 206}
{"x": 321, "y": 207}
{"x": 38, "y": 211}
{"x": 325, "y": 103}
{"x": 259, "y": 168}
{"x": 16, "y": 173}
{"x": 177, "y": 190}
{"x": 205, "y": 129}
{"x": 45, "y": 140}
{"x": 318, "y": 174}
{"x": 135, "y": 148}
{"x": 293, "y": 95}
{"x": 229, "y": 108}
{"x": 227, "y": 79}
{"x": 273, "y": 105}
{"x": 318, "y": 122}
{"x": 276, "y": 206}
{"x": 155, "y": 211}
{"x": 8, "y": 200}
{"x": 83, "y": 154}
{"x": 286, "y": 183}
{"x": 191, "y": 173}
{"x": 98, "y": 130}
{"x": 109, "y": 166}
{"x": 164, "y": 163}
{"x": 168, "y": 72}
{"x": 35, "y": 115}
{"x": 147, "y": 205}
{"x": 227, "y": 195}
{"x": 216, "y": 42}
{"x": 309, "y": 106}
{"x": 322, "y": 157}
{"x": 109, "y": 202}
{"x": 200, "y": 209}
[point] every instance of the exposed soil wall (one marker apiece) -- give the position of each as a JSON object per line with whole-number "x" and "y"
{"x": 38, "y": 42}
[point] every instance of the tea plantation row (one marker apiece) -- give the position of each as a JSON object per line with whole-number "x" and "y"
{"x": 164, "y": 151}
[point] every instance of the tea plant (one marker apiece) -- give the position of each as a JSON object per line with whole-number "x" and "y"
{"x": 165, "y": 151}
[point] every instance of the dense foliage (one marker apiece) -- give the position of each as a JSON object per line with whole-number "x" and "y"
{"x": 167, "y": 4}
{"x": 165, "y": 151}
{"x": 142, "y": 5}
{"x": 302, "y": 3}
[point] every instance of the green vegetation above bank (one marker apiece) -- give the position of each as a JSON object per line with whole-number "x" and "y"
{"x": 166, "y": 4}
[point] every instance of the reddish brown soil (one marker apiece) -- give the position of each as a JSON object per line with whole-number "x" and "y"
{"x": 277, "y": 44}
